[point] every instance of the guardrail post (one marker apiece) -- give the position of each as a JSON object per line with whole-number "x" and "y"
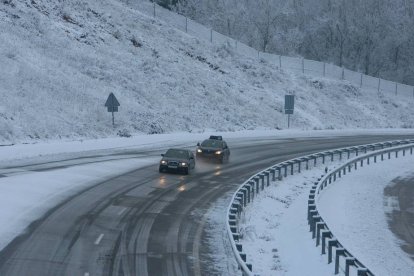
{"x": 262, "y": 178}
{"x": 250, "y": 186}
{"x": 243, "y": 256}
{"x": 349, "y": 153}
{"x": 382, "y": 156}
{"x": 314, "y": 160}
{"x": 396, "y": 154}
{"x": 356, "y": 152}
{"x": 375, "y": 159}
{"x": 244, "y": 191}
{"x": 389, "y": 155}
{"x": 267, "y": 174}
{"x": 331, "y": 243}
{"x": 250, "y": 267}
{"x": 319, "y": 227}
{"x": 368, "y": 160}
{"x": 348, "y": 262}
{"x": 307, "y": 164}
{"x": 332, "y": 156}
{"x": 154, "y": 9}
{"x": 285, "y": 166}
{"x": 411, "y": 150}
{"x": 299, "y": 163}
{"x": 362, "y": 163}
{"x": 292, "y": 164}
{"x": 356, "y": 165}
{"x": 403, "y": 152}
{"x": 325, "y": 234}
{"x": 315, "y": 219}
{"x": 340, "y": 155}
{"x": 312, "y": 214}
{"x": 273, "y": 171}
{"x": 323, "y": 158}
{"x": 279, "y": 173}
{"x": 257, "y": 180}
{"x": 338, "y": 252}
{"x": 349, "y": 168}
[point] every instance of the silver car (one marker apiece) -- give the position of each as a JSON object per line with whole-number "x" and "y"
{"x": 179, "y": 160}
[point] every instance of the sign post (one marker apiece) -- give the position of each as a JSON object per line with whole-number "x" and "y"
{"x": 289, "y": 106}
{"x": 112, "y": 105}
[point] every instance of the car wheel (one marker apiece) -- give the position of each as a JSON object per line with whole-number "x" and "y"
{"x": 186, "y": 170}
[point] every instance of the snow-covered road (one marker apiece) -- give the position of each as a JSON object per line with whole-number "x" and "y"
{"x": 30, "y": 185}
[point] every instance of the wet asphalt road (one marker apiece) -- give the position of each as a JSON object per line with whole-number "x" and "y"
{"x": 146, "y": 223}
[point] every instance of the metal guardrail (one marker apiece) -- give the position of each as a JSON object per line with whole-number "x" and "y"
{"x": 320, "y": 230}
{"x": 246, "y": 193}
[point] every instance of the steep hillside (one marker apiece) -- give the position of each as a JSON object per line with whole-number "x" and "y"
{"x": 60, "y": 60}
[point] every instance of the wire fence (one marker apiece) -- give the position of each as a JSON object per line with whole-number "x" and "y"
{"x": 295, "y": 64}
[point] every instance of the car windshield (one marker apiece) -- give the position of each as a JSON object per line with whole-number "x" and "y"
{"x": 212, "y": 143}
{"x": 177, "y": 153}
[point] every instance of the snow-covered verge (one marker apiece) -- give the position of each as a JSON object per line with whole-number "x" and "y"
{"x": 26, "y": 197}
{"x": 275, "y": 231}
{"x": 355, "y": 209}
{"x": 61, "y": 59}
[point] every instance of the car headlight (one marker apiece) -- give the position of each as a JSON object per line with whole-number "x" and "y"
{"x": 163, "y": 162}
{"x": 183, "y": 164}
{"x": 199, "y": 150}
{"x": 218, "y": 152}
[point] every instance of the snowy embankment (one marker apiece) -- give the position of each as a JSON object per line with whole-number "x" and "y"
{"x": 356, "y": 210}
{"x": 61, "y": 59}
{"x": 276, "y": 234}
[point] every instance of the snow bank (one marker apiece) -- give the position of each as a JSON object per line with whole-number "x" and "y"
{"x": 60, "y": 60}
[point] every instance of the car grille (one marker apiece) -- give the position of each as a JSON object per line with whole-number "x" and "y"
{"x": 172, "y": 163}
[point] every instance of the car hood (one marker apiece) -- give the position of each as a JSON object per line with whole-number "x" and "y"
{"x": 209, "y": 148}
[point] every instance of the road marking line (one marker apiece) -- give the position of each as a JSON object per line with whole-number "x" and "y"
{"x": 98, "y": 240}
{"x": 86, "y": 274}
{"x": 122, "y": 211}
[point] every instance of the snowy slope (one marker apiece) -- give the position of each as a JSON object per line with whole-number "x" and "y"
{"x": 60, "y": 60}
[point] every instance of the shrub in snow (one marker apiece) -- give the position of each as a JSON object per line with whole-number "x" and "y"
{"x": 124, "y": 133}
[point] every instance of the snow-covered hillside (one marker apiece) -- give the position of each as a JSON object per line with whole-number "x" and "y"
{"x": 60, "y": 60}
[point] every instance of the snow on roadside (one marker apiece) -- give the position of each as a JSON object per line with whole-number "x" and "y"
{"x": 362, "y": 226}
{"x": 25, "y": 198}
{"x": 276, "y": 234}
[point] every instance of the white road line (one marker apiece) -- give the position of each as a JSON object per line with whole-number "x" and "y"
{"x": 98, "y": 240}
{"x": 122, "y": 211}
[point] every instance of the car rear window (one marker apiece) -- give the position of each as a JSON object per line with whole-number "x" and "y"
{"x": 212, "y": 143}
{"x": 177, "y": 153}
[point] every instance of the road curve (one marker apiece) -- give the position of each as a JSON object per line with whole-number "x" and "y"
{"x": 146, "y": 223}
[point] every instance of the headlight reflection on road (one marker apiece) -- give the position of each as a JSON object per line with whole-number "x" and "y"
{"x": 182, "y": 188}
{"x": 218, "y": 171}
{"x": 162, "y": 181}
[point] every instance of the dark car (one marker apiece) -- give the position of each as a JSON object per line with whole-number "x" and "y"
{"x": 214, "y": 149}
{"x": 179, "y": 160}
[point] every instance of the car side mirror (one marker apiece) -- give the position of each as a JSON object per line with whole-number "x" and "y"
{"x": 198, "y": 144}
{"x": 162, "y": 154}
